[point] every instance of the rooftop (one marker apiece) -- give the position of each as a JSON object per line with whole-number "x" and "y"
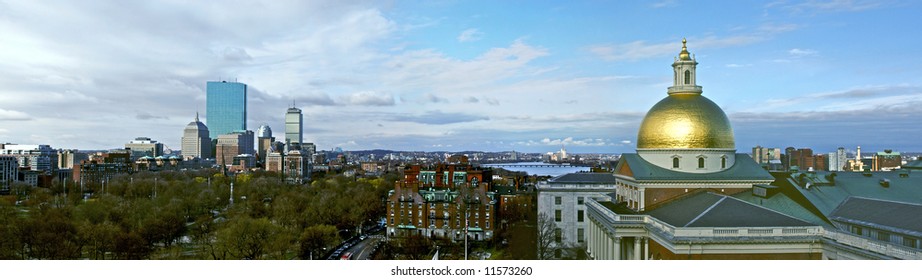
{"x": 744, "y": 169}
{"x": 889, "y": 215}
{"x": 585, "y": 178}
{"x": 706, "y": 209}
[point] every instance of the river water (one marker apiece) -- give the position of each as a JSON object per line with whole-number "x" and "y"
{"x": 540, "y": 168}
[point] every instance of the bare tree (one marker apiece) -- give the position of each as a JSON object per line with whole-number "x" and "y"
{"x": 546, "y": 237}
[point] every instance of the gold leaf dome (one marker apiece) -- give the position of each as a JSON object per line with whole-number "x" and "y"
{"x": 685, "y": 121}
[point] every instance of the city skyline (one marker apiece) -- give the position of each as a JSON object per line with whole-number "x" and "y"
{"x": 449, "y": 76}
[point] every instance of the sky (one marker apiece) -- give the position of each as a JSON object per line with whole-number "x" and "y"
{"x": 529, "y": 76}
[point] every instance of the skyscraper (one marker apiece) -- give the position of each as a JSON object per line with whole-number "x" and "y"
{"x": 264, "y": 142}
{"x": 226, "y": 107}
{"x": 294, "y": 127}
{"x": 196, "y": 140}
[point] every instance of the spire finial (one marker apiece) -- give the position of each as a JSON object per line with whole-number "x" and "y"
{"x": 196, "y": 116}
{"x": 683, "y": 55}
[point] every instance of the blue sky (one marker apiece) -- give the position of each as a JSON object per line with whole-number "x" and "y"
{"x": 462, "y": 75}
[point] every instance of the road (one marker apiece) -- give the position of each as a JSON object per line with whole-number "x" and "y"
{"x": 363, "y": 249}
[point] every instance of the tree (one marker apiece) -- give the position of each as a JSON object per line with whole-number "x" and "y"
{"x": 546, "y": 237}
{"x": 316, "y": 239}
{"x": 251, "y": 239}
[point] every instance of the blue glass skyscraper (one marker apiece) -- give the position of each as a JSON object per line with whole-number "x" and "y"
{"x": 226, "y": 107}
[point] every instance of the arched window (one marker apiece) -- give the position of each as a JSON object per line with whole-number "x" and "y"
{"x": 675, "y": 162}
{"x": 687, "y": 77}
{"x": 700, "y": 162}
{"x": 723, "y": 162}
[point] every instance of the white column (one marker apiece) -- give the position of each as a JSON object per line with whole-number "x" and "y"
{"x": 646, "y": 248}
{"x": 642, "y": 200}
{"x": 617, "y": 249}
{"x": 636, "y": 248}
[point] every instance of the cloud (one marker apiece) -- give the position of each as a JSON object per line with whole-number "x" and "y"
{"x": 491, "y": 101}
{"x": 369, "y": 98}
{"x": 568, "y": 141}
{"x": 432, "y": 98}
{"x": 236, "y": 54}
{"x": 801, "y": 52}
{"x": 664, "y": 4}
{"x": 772, "y": 28}
{"x": 470, "y": 35}
{"x": 641, "y": 49}
{"x": 471, "y": 99}
{"x": 147, "y": 116}
{"x": 11, "y": 115}
{"x": 319, "y": 99}
{"x": 734, "y": 65}
{"x": 438, "y": 118}
{"x": 813, "y": 6}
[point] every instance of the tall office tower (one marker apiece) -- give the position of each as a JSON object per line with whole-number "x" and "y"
{"x": 226, "y": 107}
{"x": 264, "y": 141}
{"x": 35, "y": 157}
{"x": 838, "y": 160}
{"x": 9, "y": 170}
{"x": 294, "y": 127}
{"x": 196, "y": 140}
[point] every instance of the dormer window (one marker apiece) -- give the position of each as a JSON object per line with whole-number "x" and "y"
{"x": 723, "y": 162}
{"x": 701, "y": 162}
{"x": 675, "y": 162}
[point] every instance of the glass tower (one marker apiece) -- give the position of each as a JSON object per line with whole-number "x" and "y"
{"x": 226, "y": 107}
{"x": 294, "y": 128}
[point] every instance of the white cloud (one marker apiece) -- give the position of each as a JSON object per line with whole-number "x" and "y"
{"x": 801, "y": 52}
{"x": 11, "y": 115}
{"x": 470, "y": 35}
{"x": 369, "y": 98}
{"x": 641, "y": 49}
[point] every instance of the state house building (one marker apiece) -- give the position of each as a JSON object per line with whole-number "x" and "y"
{"x": 687, "y": 194}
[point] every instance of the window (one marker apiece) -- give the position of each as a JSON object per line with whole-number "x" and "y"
{"x": 579, "y": 216}
{"x": 675, "y": 162}
{"x": 723, "y": 162}
{"x": 700, "y": 162}
{"x": 557, "y": 200}
{"x": 558, "y": 236}
{"x": 910, "y": 242}
{"x": 856, "y": 230}
{"x": 687, "y": 77}
{"x": 883, "y": 236}
{"x": 580, "y": 200}
{"x": 556, "y": 215}
{"x": 580, "y": 235}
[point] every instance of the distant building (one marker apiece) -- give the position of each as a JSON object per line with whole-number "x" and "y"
{"x": 101, "y": 167}
{"x": 264, "y": 142}
{"x": 226, "y": 107}
{"x": 802, "y": 158}
{"x": 144, "y": 146}
{"x": 764, "y": 156}
{"x": 838, "y": 160}
{"x": 9, "y": 170}
{"x": 296, "y": 167}
{"x": 67, "y": 159}
{"x": 233, "y": 144}
{"x": 196, "y": 140}
{"x": 274, "y": 162}
{"x": 887, "y": 160}
{"x": 34, "y": 157}
{"x": 294, "y": 127}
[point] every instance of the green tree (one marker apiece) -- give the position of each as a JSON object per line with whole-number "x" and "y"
{"x": 315, "y": 240}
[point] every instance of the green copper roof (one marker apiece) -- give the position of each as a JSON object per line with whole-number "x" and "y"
{"x": 906, "y": 188}
{"x": 783, "y": 204}
{"x": 745, "y": 169}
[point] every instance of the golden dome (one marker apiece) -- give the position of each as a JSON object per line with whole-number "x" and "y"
{"x": 685, "y": 121}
